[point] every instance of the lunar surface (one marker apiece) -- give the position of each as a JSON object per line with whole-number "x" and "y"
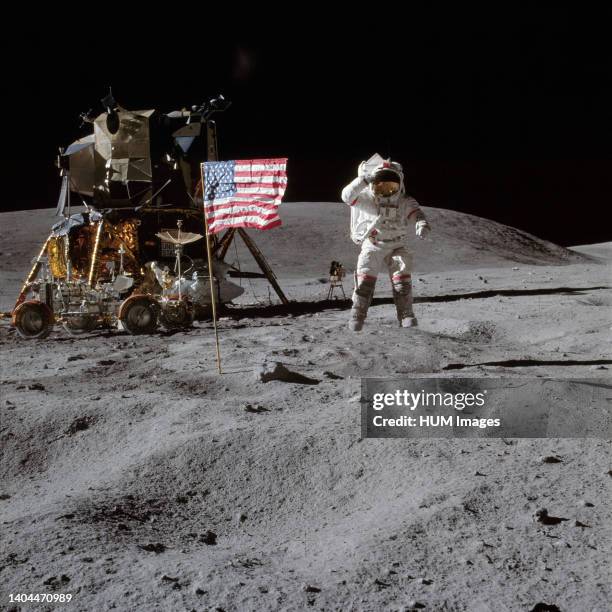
{"x": 135, "y": 477}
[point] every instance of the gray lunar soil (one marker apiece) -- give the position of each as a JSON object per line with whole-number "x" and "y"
{"x": 134, "y": 477}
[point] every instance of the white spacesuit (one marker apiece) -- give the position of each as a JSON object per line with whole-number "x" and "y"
{"x": 381, "y": 217}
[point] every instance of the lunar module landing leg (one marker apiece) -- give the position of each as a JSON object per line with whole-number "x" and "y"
{"x": 222, "y": 246}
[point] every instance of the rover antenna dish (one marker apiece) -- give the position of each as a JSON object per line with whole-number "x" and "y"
{"x": 178, "y": 237}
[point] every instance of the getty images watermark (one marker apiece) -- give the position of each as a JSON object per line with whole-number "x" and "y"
{"x": 486, "y": 407}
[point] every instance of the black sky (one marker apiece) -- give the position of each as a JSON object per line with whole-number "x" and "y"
{"x": 505, "y": 114}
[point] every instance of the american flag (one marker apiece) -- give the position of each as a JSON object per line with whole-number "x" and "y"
{"x": 243, "y": 193}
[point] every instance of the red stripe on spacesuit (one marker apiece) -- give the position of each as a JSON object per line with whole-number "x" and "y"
{"x": 400, "y": 276}
{"x": 353, "y": 202}
{"x": 366, "y": 277}
{"x": 412, "y": 213}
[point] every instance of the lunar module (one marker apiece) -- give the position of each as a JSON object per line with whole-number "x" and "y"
{"x": 132, "y": 257}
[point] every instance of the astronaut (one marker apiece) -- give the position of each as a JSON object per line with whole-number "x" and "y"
{"x": 381, "y": 217}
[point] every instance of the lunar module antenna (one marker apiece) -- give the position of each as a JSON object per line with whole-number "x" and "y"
{"x": 86, "y": 117}
{"x": 214, "y": 105}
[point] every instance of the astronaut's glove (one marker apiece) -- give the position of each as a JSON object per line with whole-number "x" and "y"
{"x": 422, "y": 229}
{"x": 362, "y": 172}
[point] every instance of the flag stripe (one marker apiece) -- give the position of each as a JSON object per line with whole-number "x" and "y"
{"x": 261, "y": 164}
{"x": 220, "y": 227}
{"x": 250, "y": 218}
{"x": 237, "y": 215}
{"x": 244, "y": 184}
{"x": 254, "y": 191}
{"x": 240, "y": 201}
{"x": 241, "y": 206}
{"x": 258, "y": 173}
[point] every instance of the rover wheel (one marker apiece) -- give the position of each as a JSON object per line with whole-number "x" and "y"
{"x": 176, "y": 315}
{"x": 33, "y": 320}
{"x": 139, "y": 315}
{"x": 76, "y": 326}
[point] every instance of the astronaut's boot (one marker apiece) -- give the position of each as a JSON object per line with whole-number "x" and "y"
{"x": 402, "y": 296}
{"x": 362, "y": 297}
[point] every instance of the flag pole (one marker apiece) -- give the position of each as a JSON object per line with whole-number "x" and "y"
{"x": 210, "y": 270}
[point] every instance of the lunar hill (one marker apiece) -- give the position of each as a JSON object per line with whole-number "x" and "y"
{"x": 314, "y": 233}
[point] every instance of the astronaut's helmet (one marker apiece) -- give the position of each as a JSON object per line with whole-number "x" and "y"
{"x": 386, "y": 183}
{"x": 387, "y": 179}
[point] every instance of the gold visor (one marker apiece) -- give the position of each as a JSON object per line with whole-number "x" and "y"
{"x": 385, "y": 188}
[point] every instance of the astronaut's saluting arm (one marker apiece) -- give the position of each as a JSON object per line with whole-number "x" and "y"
{"x": 350, "y": 194}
